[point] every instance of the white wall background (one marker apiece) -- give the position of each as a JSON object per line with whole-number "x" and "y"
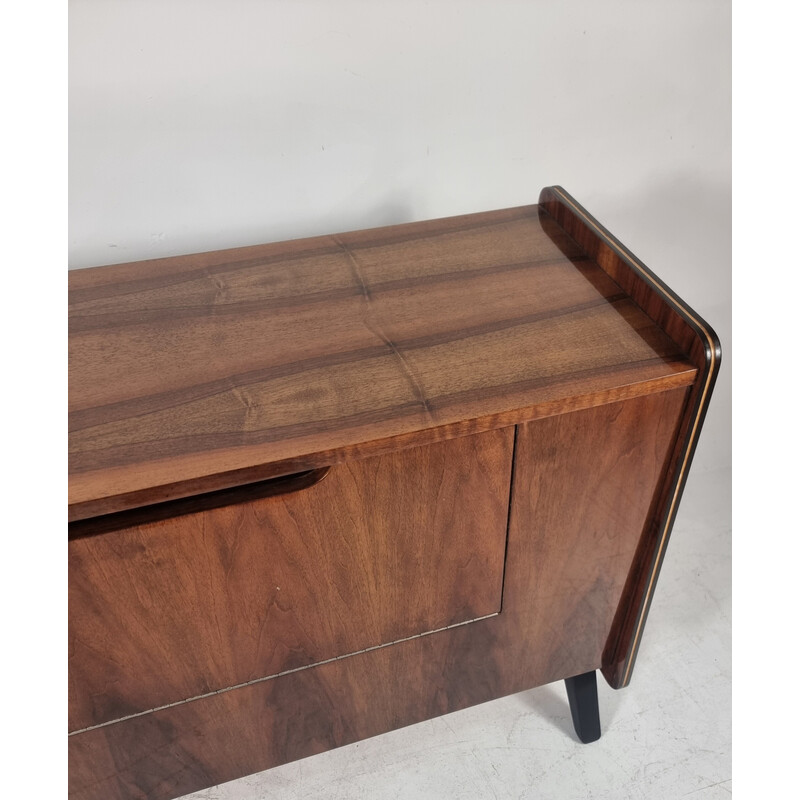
{"x": 200, "y": 124}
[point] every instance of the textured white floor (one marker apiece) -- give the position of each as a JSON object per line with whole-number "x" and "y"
{"x": 667, "y": 736}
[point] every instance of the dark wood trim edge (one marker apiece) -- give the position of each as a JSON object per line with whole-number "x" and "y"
{"x": 203, "y": 502}
{"x": 702, "y": 344}
{"x": 508, "y": 517}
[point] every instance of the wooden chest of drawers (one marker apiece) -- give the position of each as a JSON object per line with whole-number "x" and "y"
{"x": 326, "y": 488}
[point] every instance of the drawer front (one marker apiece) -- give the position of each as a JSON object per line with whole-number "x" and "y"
{"x": 380, "y": 550}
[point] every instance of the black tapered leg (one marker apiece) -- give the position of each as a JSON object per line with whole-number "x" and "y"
{"x": 582, "y": 694}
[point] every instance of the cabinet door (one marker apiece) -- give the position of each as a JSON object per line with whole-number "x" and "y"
{"x": 380, "y": 550}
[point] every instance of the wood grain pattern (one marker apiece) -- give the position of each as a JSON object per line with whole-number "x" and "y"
{"x": 381, "y": 549}
{"x": 581, "y": 501}
{"x": 187, "y": 374}
{"x": 399, "y": 357}
{"x": 696, "y": 338}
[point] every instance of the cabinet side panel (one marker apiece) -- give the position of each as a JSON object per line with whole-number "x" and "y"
{"x": 699, "y": 341}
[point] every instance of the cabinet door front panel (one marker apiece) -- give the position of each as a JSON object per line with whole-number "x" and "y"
{"x": 583, "y": 485}
{"x": 381, "y": 549}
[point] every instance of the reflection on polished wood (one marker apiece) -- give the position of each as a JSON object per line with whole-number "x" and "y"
{"x": 186, "y": 369}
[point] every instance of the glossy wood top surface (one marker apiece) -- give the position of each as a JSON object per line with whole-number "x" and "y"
{"x": 197, "y": 372}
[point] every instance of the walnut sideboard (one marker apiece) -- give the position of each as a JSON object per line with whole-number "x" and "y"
{"x": 325, "y": 488}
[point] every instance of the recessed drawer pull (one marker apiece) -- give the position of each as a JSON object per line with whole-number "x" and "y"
{"x": 285, "y": 484}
